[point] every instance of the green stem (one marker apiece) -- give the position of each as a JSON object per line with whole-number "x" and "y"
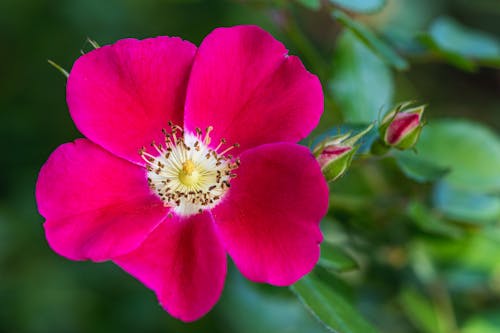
{"x": 443, "y": 304}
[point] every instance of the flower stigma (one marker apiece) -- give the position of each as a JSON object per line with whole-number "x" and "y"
{"x": 187, "y": 173}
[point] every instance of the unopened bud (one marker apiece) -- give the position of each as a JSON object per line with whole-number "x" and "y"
{"x": 335, "y": 154}
{"x": 401, "y": 127}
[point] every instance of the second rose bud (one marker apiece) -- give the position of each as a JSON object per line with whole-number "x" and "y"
{"x": 401, "y": 127}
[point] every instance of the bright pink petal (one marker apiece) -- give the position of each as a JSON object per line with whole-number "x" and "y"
{"x": 245, "y": 85}
{"x": 184, "y": 262}
{"x": 96, "y": 205}
{"x": 121, "y": 96}
{"x": 269, "y": 219}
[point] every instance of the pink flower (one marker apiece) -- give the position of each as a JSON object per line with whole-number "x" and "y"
{"x": 225, "y": 175}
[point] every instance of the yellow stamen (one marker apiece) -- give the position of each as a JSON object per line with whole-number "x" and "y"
{"x": 189, "y": 175}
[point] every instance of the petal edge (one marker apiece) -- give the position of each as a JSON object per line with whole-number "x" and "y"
{"x": 269, "y": 219}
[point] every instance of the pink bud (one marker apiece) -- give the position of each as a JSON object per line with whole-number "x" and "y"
{"x": 401, "y": 128}
{"x": 335, "y": 154}
{"x": 331, "y": 153}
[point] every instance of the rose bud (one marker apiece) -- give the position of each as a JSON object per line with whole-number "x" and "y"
{"x": 335, "y": 154}
{"x": 401, "y": 127}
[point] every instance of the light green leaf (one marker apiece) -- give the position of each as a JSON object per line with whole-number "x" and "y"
{"x": 470, "y": 262}
{"x": 419, "y": 310}
{"x": 360, "y": 6}
{"x": 483, "y": 323}
{"x": 470, "y": 150}
{"x": 362, "y": 85}
{"x": 453, "y": 58}
{"x": 335, "y": 259}
{"x": 311, "y": 4}
{"x": 371, "y": 40}
{"x": 329, "y": 307}
{"x": 461, "y": 44}
{"x": 417, "y": 169}
{"x": 466, "y": 206}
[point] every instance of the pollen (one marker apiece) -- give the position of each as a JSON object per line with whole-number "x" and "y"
{"x": 186, "y": 172}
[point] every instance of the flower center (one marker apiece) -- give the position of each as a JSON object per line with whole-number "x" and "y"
{"x": 189, "y": 175}
{"x": 186, "y": 173}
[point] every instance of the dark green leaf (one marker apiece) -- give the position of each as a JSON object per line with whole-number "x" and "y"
{"x": 466, "y": 206}
{"x": 362, "y": 85}
{"x": 335, "y": 259}
{"x": 360, "y": 6}
{"x": 429, "y": 222}
{"x": 371, "y": 40}
{"x": 329, "y": 307}
{"x": 417, "y": 169}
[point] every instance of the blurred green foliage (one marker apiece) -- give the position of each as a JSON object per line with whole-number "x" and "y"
{"x": 419, "y": 234}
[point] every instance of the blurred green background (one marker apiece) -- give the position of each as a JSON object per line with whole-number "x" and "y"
{"x": 42, "y": 292}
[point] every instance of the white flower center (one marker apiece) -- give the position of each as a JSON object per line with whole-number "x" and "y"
{"x": 186, "y": 173}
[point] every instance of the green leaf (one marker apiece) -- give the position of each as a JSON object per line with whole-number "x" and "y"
{"x": 329, "y": 307}
{"x": 311, "y": 4}
{"x": 466, "y": 206}
{"x": 419, "y": 310}
{"x": 335, "y": 259}
{"x": 470, "y": 150}
{"x": 429, "y": 222}
{"x": 360, "y": 6}
{"x": 417, "y": 169}
{"x": 362, "y": 85}
{"x": 453, "y": 58}
{"x": 483, "y": 323}
{"x": 460, "y": 44}
{"x": 371, "y": 40}
{"x": 478, "y": 251}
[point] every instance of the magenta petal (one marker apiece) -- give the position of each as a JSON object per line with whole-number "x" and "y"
{"x": 121, "y": 96}
{"x": 269, "y": 219}
{"x": 245, "y": 85}
{"x": 96, "y": 205}
{"x": 184, "y": 262}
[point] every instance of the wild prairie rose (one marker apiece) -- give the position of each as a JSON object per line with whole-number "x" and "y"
{"x": 189, "y": 154}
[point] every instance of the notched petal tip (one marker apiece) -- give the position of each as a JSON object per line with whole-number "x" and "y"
{"x": 184, "y": 263}
{"x": 245, "y": 85}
